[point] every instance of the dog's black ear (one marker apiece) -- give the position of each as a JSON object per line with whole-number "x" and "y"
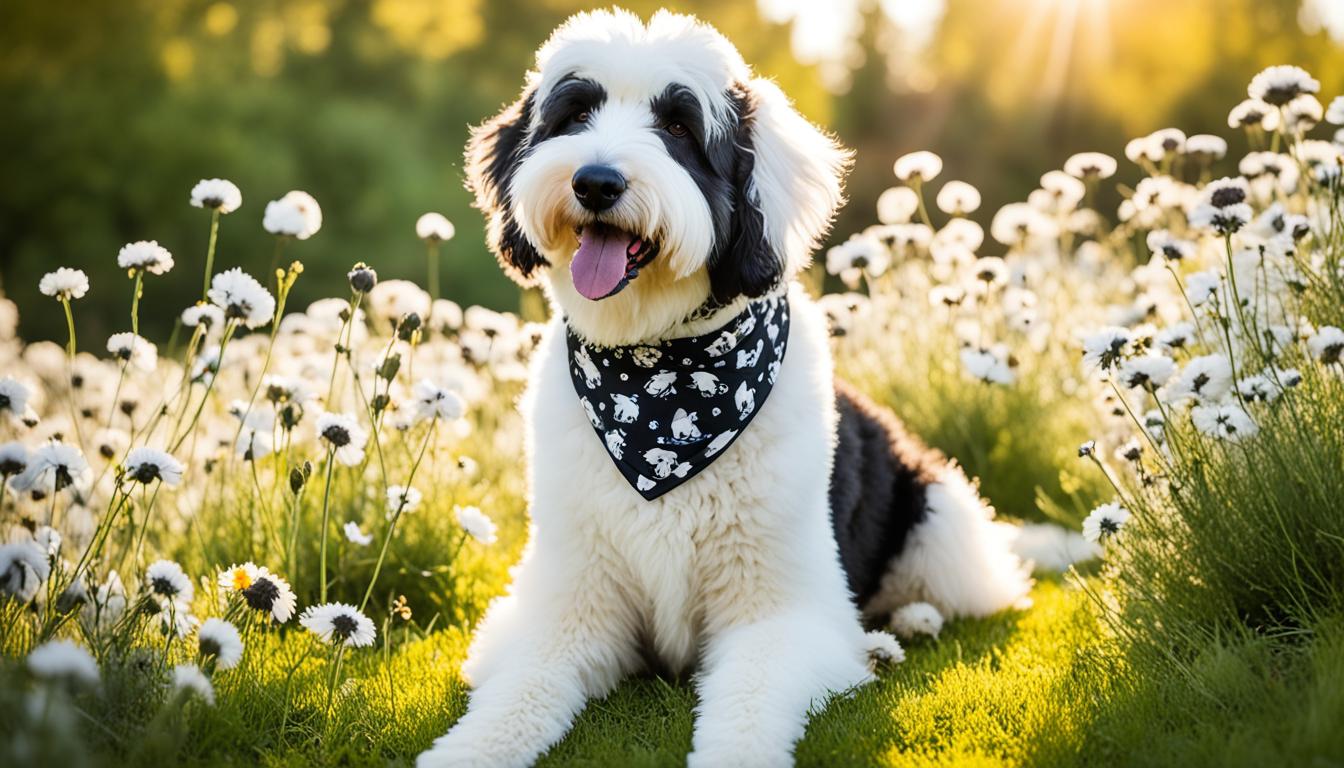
{"x": 495, "y": 149}
{"x": 743, "y": 262}
{"x": 788, "y": 183}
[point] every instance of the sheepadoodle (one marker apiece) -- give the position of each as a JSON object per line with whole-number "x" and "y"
{"x": 704, "y": 495}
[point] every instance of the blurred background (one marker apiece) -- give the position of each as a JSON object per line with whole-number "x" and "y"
{"x": 113, "y": 110}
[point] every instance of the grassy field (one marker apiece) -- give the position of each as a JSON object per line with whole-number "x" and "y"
{"x": 266, "y": 539}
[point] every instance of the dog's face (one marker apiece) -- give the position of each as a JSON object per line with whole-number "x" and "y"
{"x": 644, "y": 171}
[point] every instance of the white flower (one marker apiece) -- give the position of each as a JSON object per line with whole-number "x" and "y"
{"x": 13, "y": 459}
{"x": 23, "y": 568}
{"x": 189, "y": 679}
{"x": 201, "y": 313}
{"x": 476, "y": 523}
{"x": 167, "y": 580}
{"x": 145, "y": 465}
{"x": 262, "y": 590}
{"x": 1302, "y": 113}
{"x": 1085, "y": 165}
{"x": 1018, "y": 224}
{"x": 109, "y": 602}
{"x": 343, "y": 435}
{"x": 1104, "y": 522}
{"x": 896, "y": 205}
{"x": 435, "y": 402}
{"x": 958, "y": 198}
{"x": 1147, "y": 371}
{"x": 1207, "y": 378}
{"x": 339, "y": 624}
{"x": 1208, "y": 145}
{"x": 64, "y": 660}
{"x": 1130, "y": 450}
{"x": 1106, "y": 347}
{"x": 1253, "y": 112}
{"x": 922, "y": 165}
{"x": 1225, "y": 220}
{"x": 64, "y": 284}
{"x": 134, "y": 350}
{"x": 434, "y": 227}
{"x": 1067, "y": 192}
{"x": 13, "y": 397}
{"x": 220, "y": 639}
{"x": 1224, "y": 421}
{"x": 859, "y": 255}
{"x": 145, "y": 255}
{"x": 1326, "y": 344}
{"x": 296, "y": 215}
{"x": 917, "y": 619}
{"x": 1203, "y": 287}
{"x": 242, "y": 298}
{"x": 1334, "y": 114}
{"x": 392, "y": 300}
{"x": 1172, "y": 248}
{"x": 402, "y": 498}
{"x": 1176, "y": 336}
{"x": 1087, "y": 449}
{"x": 356, "y": 536}
{"x": 220, "y": 194}
{"x": 51, "y": 468}
{"x": 1280, "y": 85}
{"x": 986, "y": 366}
{"x": 1258, "y": 388}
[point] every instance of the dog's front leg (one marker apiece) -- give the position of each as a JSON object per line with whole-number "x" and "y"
{"x": 560, "y": 638}
{"x": 762, "y": 679}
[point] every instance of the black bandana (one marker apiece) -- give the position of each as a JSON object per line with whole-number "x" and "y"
{"x": 664, "y": 411}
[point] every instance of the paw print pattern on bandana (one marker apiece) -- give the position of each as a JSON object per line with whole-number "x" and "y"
{"x": 664, "y": 412}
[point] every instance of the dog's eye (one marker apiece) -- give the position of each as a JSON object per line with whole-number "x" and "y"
{"x": 582, "y": 116}
{"x": 676, "y": 129}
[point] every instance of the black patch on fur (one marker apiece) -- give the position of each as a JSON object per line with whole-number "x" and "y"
{"x": 878, "y": 486}
{"x": 571, "y": 97}
{"x": 743, "y": 263}
{"x": 494, "y": 151}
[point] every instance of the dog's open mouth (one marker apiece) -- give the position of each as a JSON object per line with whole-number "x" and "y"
{"x": 607, "y": 259}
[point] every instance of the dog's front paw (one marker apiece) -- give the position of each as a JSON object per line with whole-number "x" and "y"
{"x": 739, "y": 756}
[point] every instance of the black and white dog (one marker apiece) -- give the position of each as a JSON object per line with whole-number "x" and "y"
{"x": 703, "y": 494}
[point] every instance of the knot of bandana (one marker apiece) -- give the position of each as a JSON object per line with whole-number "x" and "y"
{"x": 664, "y": 411}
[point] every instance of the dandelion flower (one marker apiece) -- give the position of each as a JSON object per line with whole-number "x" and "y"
{"x": 986, "y": 366}
{"x": 64, "y": 660}
{"x": 13, "y": 397}
{"x": 260, "y": 589}
{"x": 189, "y": 679}
{"x": 342, "y": 434}
{"x": 1253, "y": 113}
{"x": 166, "y": 579}
{"x": 295, "y": 215}
{"x": 1207, "y": 378}
{"x": 218, "y": 194}
{"x": 145, "y": 255}
{"x": 1281, "y": 84}
{"x": 896, "y": 205}
{"x": 64, "y": 284}
{"x": 1105, "y": 348}
{"x": 1018, "y": 224}
{"x": 52, "y": 468}
{"x": 145, "y": 465}
{"x": 242, "y": 298}
{"x": 1203, "y": 287}
{"x": 476, "y": 523}
{"x": 356, "y": 536}
{"x": 1172, "y": 248}
{"x": 1327, "y": 344}
{"x": 23, "y": 569}
{"x": 1224, "y": 421}
{"x": 1105, "y": 522}
{"x": 957, "y": 198}
{"x": 434, "y": 227}
{"x": 918, "y": 166}
{"x": 402, "y": 498}
{"x": 1206, "y": 146}
{"x": 339, "y": 624}
{"x": 1090, "y": 165}
{"x": 220, "y": 639}
{"x": 13, "y": 459}
{"x": 917, "y": 619}
{"x": 1302, "y": 114}
{"x": 1175, "y": 337}
{"x": 859, "y": 255}
{"x": 392, "y": 300}
{"x": 134, "y": 350}
{"x": 435, "y": 402}
{"x": 1147, "y": 371}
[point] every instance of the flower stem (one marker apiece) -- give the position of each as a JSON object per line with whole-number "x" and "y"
{"x": 401, "y": 505}
{"x": 210, "y": 253}
{"x": 326, "y": 522}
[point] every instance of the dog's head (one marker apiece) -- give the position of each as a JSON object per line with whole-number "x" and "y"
{"x": 643, "y": 170}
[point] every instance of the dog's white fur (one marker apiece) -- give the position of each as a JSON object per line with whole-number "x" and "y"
{"x": 736, "y": 572}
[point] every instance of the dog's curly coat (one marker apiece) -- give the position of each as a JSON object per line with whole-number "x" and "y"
{"x": 757, "y": 572}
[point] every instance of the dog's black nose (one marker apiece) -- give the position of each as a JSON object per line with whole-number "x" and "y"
{"x": 598, "y": 187}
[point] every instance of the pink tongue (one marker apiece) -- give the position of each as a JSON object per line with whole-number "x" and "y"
{"x": 599, "y": 263}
